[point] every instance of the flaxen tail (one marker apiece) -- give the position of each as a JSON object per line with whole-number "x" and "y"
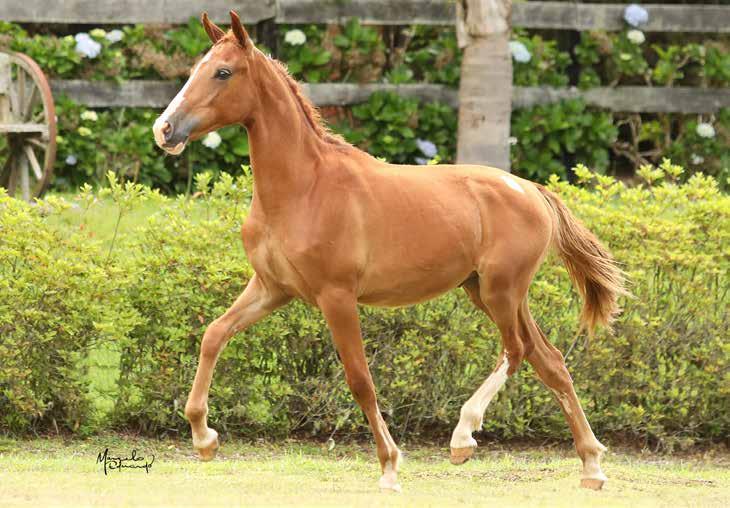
{"x": 591, "y": 266}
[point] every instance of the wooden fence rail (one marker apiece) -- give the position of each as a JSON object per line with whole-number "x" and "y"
{"x": 555, "y": 15}
{"x": 157, "y": 94}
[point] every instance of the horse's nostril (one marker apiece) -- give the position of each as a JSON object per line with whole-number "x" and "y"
{"x": 167, "y": 131}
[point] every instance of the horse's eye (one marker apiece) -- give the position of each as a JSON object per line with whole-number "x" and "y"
{"x": 222, "y": 74}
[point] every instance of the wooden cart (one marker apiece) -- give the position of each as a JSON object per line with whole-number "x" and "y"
{"x": 28, "y": 121}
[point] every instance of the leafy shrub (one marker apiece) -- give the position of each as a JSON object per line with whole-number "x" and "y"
{"x": 613, "y": 59}
{"x": 545, "y": 133}
{"x": 429, "y": 54}
{"x": 307, "y": 60}
{"x": 662, "y": 377}
{"x": 389, "y": 125}
{"x": 57, "y": 300}
{"x": 547, "y": 66}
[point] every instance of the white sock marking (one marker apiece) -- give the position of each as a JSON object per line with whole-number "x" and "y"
{"x": 473, "y": 410}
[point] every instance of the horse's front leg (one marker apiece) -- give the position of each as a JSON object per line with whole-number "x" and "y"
{"x": 339, "y": 308}
{"x": 256, "y": 302}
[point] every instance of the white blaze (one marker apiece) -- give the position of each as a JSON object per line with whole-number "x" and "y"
{"x": 172, "y": 107}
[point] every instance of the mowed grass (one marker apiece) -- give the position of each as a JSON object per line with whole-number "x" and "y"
{"x": 54, "y": 472}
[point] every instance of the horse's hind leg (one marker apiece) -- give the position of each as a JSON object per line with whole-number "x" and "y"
{"x": 504, "y": 312}
{"x": 550, "y": 367}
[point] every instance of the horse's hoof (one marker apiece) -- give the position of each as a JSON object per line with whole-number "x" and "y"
{"x": 208, "y": 447}
{"x": 386, "y": 486}
{"x": 389, "y": 481}
{"x": 592, "y": 483}
{"x": 461, "y": 455}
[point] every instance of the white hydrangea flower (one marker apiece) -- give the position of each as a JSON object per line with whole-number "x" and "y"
{"x": 114, "y": 36}
{"x": 512, "y": 140}
{"x": 636, "y": 36}
{"x": 295, "y": 37}
{"x": 705, "y": 130}
{"x": 636, "y": 15}
{"x": 697, "y": 159}
{"x": 212, "y": 140}
{"x": 89, "y": 115}
{"x": 87, "y": 46}
{"x": 71, "y": 160}
{"x": 519, "y": 52}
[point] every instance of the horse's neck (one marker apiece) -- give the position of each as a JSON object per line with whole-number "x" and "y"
{"x": 284, "y": 149}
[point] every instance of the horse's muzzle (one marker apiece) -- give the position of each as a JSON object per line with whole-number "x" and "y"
{"x": 172, "y": 134}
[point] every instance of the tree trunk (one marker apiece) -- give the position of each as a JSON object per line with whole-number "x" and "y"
{"x": 485, "y": 93}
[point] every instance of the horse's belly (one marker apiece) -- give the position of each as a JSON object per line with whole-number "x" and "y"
{"x": 409, "y": 285}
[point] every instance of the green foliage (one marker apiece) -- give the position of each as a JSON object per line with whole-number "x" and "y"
{"x": 388, "y": 126}
{"x": 91, "y": 143}
{"x": 56, "y": 302}
{"x": 547, "y": 66}
{"x": 545, "y": 133}
{"x": 431, "y": 55}
{"x": 662, "y": 377}
{"x": 308, "y": 60}
{"x": 650, "y": 139}
{"x": 120, "y": 139}
{"x": 362, "y": 52}
{"x": 191, "y": 38}
{"x": 613, "y": 58}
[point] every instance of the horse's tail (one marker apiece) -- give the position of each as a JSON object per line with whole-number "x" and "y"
{"x": 591, "y": 266}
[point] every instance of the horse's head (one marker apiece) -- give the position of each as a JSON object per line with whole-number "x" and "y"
{"x": 219, "y": 92}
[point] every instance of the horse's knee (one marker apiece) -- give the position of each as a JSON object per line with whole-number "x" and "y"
{"x": 214, "y": 338}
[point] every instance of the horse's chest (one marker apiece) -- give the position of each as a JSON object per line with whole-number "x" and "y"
{"x": 267, "y": 255}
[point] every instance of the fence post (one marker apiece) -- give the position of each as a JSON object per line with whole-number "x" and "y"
{"x": 485, "y": 93}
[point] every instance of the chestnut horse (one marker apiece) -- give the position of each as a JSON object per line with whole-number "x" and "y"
{"x": 335, "y": 227}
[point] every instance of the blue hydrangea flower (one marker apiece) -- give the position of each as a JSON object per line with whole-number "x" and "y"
{"x": 87, "y": 46}
{"x": 427, "y": 148}
{"x": 421, "y": 161}
{"x": 519, "y": 52}
{"x": 71, "y": 160}
{"x": 636, "y": 15}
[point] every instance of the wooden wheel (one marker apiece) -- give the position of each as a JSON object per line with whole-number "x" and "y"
{"x": 28, "y": 118}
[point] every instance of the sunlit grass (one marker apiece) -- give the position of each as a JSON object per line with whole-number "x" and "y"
{"x": 45, "y": 472}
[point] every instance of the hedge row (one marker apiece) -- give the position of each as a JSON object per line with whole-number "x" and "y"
{"x": 663, "y": 376}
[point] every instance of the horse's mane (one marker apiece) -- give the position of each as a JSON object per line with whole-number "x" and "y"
{"x": 311, "y": 113}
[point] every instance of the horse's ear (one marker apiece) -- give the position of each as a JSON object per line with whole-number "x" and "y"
{"x": 211, "y": 29}
{"x": 238, "y": 30}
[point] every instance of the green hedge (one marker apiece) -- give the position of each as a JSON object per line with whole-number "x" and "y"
{"x": 663, "y": 376}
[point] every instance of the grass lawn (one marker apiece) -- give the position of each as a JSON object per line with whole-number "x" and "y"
{"x": 54, "y": 472}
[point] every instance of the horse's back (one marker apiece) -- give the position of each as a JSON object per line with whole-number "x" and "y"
{"x": 428, "y": 227}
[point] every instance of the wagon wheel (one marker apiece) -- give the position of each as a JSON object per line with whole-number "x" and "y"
{"x": 28, "y": 117}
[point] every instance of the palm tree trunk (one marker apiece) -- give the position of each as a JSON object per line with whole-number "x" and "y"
{"x": 485, "y": 93}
